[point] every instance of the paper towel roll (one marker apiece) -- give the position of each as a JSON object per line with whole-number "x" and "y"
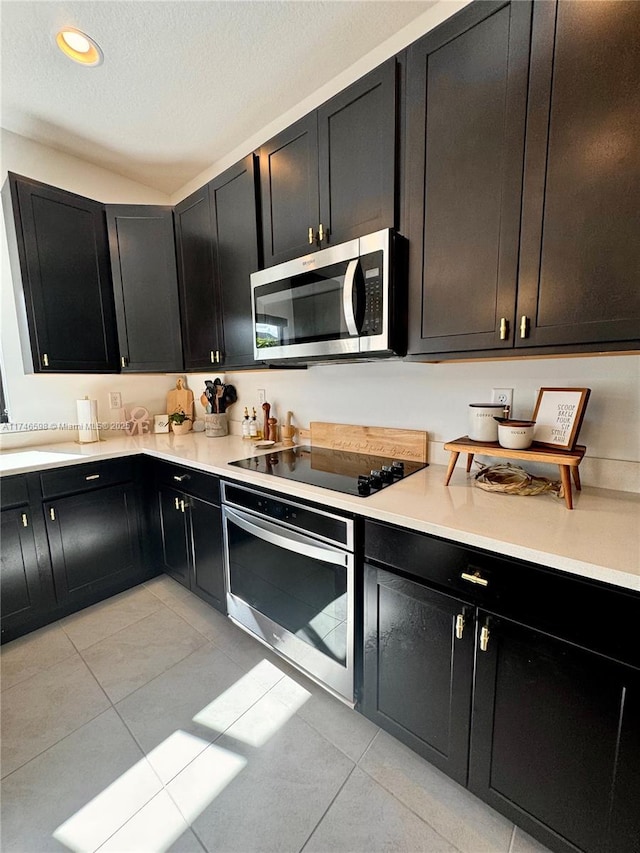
{"x": 87, "y": 420}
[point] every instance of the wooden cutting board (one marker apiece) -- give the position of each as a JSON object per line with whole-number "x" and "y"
{"x": 410, "y": 444}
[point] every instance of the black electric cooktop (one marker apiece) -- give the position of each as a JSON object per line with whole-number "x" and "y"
{"x": 340, "y": 470}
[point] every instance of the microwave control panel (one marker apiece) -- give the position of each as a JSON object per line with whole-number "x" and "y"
{"x": 372, "y": 273}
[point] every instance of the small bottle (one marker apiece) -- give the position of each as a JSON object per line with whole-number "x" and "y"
{"x": 245, "y": 423}
{"x": 253, "y": 426}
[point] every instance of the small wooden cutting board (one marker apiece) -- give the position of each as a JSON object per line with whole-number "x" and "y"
{"x": 410, "y": 444}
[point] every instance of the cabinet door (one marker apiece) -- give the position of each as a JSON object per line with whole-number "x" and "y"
{"x": 207, "y": 578}
{"x": 289, "y": 183}
{"x": 545, "y": 735}
{"x": 62, "y": 253}
{"x": 235, "y": 229}
{"x": 580, "y": 255}
{"x": 466, "y": 102}
{"x": 356, "y": 151}
{"x": 625, "y": 814}
{"x": 21, "y": 593}
{"x": 94, "y": 541}
{"x": 173, "y": 532}
{"x": 417, "y": 671}
{"x": 199, "y": 306}
{"x": 143, "y": 261}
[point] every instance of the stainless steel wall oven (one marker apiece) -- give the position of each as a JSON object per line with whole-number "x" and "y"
{"x": 290, "y": 578}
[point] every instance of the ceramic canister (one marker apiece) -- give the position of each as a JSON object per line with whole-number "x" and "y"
{"x": 482, "y": 426}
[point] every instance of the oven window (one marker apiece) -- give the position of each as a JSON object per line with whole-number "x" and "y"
{"x": 302, "y": 309}
{"x": 303, "y": 595}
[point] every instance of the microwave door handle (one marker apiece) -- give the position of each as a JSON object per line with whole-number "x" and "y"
{"x": 267, "y": 532}
{"x": 347, "y": 297}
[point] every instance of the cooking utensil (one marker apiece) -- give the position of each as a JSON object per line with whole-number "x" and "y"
{"x": 266, "y": 408}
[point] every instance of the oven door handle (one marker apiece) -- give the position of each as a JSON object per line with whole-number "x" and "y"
{"x": 292, "y": 541}
{"x": 347, "y": 297}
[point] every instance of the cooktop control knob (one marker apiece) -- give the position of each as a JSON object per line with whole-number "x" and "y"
{"x": 398, "y": 469}
{"x": 364, "y": 486}
{"x": 376, "y": 479}
{"x": 387, "y": 474}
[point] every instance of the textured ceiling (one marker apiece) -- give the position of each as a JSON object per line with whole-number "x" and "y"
{"x": 183, "y": 83}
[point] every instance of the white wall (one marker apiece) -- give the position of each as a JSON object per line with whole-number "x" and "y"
{"x": 51, "y": 399}
{"x": 434, "y": 397}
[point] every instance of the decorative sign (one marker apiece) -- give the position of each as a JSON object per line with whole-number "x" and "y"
{"x": 558, "y": 416}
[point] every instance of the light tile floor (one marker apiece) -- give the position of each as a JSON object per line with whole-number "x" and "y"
{"x": 149, "y": 722}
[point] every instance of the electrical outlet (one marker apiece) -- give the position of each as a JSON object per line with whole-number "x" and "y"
{"x": 502, "y": 395}
{"x": 262, "y": 396}
{"x": 115, "y": 400}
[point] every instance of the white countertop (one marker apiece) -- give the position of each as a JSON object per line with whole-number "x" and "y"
{"x": 599, "y": 538}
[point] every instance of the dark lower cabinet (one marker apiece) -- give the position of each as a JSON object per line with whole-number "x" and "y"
{"x": 190, "y": 532}
{"x": 547, "y": 744}
{"x": 94, "y": 541}
{"x": 22, "y": 594}
{"x": 536, "y": 718}
{"x": 418, "y": 667}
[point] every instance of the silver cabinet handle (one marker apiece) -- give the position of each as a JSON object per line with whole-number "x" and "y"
{"x": 180, "y": 477}
{"x": 93, "y": 477}
{"x": 52, "y": 514}
{"x": 25, "y": 520}
{"x": 347, "y": 297}
{"x": 292, "y": 541}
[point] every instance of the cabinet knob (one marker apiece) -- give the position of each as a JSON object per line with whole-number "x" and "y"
{"x": 524, "y": 323}
{"x": 459, "y": 626}
{"x": 504, "y": 328}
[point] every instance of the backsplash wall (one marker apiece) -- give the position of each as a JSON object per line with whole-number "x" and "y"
{"x": 434, "y": 397}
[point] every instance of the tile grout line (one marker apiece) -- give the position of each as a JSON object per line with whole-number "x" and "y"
{"x": 325, "y": 812}
{"x": 408, "y": 807}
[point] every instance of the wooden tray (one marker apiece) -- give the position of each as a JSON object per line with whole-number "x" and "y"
{"x": 409, "y": 444}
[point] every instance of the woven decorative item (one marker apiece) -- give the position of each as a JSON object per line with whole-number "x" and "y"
{"x": 514, "y": 480}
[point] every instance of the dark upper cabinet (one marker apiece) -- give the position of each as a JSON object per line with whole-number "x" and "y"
{"x": 289, "y": 192}
{"x": 523, "y": 179}
{"x": 580, "y": 255}
{"x": 548, "y": 734}
{"x": 418, "y": 668}
{"x": 356, "y": 157}
{"x": 217, "y": 245}
{"x": 236, "y": 245}
{"x": 59, "y": 252}
{"x": 143, "y": 262}
{"x": 199, "y": 304}
{"x": 330, "y": 177}
{"x": 466, "y": 106}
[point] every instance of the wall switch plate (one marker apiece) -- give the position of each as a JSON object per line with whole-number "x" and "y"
{"x": 115, "y": 400}
{"x": 502, "y": 395}
{"x": 262, "y": 396}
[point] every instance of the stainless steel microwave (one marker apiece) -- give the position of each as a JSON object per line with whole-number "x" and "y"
{"x": 342, "y": 302}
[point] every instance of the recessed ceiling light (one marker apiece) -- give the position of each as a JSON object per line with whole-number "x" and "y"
{"x": 79, "y": 46}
